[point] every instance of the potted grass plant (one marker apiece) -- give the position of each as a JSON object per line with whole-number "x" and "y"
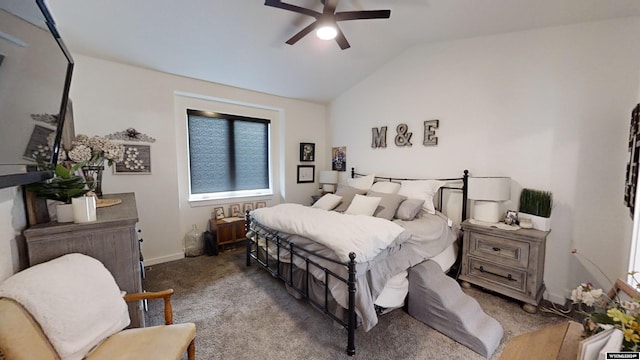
{"x": 63, "y": 186}
{"x": 536, "y": 205}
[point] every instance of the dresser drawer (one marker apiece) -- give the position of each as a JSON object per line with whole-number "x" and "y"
{"x": 503, "y": 251}
{"x": 503, "y": 276}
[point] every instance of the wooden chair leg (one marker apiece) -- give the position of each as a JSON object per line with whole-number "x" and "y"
{"x": 191, "y": 350}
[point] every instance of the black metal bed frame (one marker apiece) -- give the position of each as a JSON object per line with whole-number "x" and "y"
{"x": 254, "y": 231}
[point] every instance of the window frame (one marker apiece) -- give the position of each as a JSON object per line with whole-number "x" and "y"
{"x": 234, "y": 194}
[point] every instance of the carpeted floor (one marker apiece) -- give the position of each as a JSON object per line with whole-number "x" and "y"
{"x": 243, "y": 313}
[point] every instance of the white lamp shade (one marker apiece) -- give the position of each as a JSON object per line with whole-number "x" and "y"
{"x": 328, "y": 177}
{"x": 489, "y": 188}
{"x": 487, "y": 211}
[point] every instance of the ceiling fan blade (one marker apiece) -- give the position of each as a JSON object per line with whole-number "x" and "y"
{"x": 302, "y": 33}
{"x": 329, "y": 6}
{"x": 300, "y": 10}
{"x": 364, "y": 14}
{"x": 341, "y": 40}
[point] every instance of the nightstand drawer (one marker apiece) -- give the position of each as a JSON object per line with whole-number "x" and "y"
{"x": 504, "y": 251}
{"x": 511, "y": 278}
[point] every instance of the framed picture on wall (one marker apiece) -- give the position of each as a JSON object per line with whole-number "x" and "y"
{"x": 306, "y": 173}
{"x": 261, "y": 204}
{"x": 339, "y": 158}
{"x": 137, "y": 160}
{"x": 307, "y": 152}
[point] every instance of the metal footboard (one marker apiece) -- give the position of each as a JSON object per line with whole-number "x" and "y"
{"x": 255, "y": 231}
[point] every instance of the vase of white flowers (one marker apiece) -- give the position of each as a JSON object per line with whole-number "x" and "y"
{"x": 95, "y": 151}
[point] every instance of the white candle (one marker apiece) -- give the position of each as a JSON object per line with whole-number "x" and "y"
{"x": 84, "y": 209}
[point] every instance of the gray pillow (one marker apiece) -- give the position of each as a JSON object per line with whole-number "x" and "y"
{"x": 409, "y": 208}
{"x": 389, "y": 203}
{"x": 347, "y": 193}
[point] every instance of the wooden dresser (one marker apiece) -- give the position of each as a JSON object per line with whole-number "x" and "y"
{"x": 112, "y": 239}
{"x": 509, "y": 262}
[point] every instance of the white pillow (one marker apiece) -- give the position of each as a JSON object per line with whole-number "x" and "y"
{"x": 386, "y": 187}
{"x": 423, "y": 190}
{"x": 362, "y": 182}
{"x": 363, "y": 205}
{"x": 327, "y": 202}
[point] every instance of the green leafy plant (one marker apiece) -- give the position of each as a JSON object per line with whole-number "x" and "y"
{"x": 64, "y": 186}
{"x": 536, "y": 202}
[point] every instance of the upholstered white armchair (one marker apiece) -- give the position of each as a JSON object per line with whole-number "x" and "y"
{"x": 71, "y": 308}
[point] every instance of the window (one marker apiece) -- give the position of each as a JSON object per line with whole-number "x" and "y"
{"x": 228, "y": 155}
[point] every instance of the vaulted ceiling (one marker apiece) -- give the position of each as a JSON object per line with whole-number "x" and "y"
{"x": 241, "y": 43}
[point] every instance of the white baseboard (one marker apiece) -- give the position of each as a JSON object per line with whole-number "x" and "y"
{"x": 556, "y": 298}
{"x": 163, "y": 259}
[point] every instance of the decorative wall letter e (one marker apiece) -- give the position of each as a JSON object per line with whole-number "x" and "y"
{"x": 404, "y": 136}
{"x": 379, "y": 137}
{"x": 430, "y": 127}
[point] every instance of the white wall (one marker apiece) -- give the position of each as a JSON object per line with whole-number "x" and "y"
{"x": 550, "y": 108}
{"x": 12, "y": 222}
{"x": 110, "y": 97}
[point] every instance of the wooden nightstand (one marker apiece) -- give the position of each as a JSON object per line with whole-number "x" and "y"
{"x": 228, "y": 231}
{"x": 509, "y": 262}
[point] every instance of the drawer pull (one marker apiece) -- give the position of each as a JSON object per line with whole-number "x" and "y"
{"x": 508, "y": 277}
{"x": 496, "y": 249}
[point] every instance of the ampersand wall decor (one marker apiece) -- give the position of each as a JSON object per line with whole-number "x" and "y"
{"x": 404, "y": 136}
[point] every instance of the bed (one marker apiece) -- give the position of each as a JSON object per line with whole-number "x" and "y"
{"x": 348, "y": 254}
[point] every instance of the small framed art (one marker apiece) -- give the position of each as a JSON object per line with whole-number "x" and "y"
{"x": 247, "y": 206}
{"x": 511, "y": 218}
{"x": 306, "y": 173}
{"x": 339, "y": 158}
{"x": 218, "y": 213}
{"x": 234, "y": 210}
{"x": 307, "y": 152}
{"x": 261, "y": 204}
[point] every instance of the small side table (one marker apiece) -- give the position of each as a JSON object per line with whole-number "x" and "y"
{"x": 228, "y": 231}
{"x": 509, "y": 262}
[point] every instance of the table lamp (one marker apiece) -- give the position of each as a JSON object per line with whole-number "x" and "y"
{"x": 328, "y": 180}
{"x": 487, "y": 193}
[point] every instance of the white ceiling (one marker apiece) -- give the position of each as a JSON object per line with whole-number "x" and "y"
{"x": 242, "y": 42}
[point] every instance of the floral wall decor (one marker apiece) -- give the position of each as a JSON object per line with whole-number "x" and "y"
{"x": 130, "y": 134}
{"x": 39, "y": 144}
{"x": 136, "y": 160}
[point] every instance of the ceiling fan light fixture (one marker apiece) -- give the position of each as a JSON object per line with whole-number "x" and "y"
{"x": 327, "y": 32}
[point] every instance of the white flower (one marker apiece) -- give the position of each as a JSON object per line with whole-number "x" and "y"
{"x": 632, "y": 308}
{"x": 96, "y": 150}
{"x": 80, "y": 153}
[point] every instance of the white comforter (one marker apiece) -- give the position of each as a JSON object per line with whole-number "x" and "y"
{"x": 366, "y": 236}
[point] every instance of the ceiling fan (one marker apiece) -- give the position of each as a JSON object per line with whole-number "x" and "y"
{"x": 327, "y": 21}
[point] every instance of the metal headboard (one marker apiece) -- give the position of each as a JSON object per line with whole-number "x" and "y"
{"x": 462, "y": 188}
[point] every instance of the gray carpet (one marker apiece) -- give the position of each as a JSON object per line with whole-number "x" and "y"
{"x": 243, "y": 313}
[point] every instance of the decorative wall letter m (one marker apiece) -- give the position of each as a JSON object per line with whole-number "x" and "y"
{"x": 379, "y": 137}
